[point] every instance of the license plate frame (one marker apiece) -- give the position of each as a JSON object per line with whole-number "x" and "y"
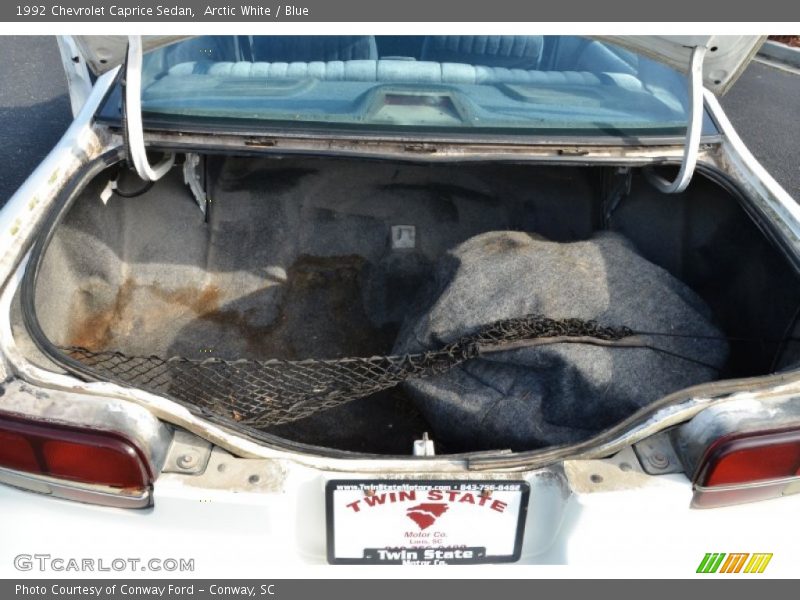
{"x": 345, "y": 499}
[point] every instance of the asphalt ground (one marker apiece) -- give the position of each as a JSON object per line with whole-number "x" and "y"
{"x": 764, "y": 106}
{"x": 34, "y": 106}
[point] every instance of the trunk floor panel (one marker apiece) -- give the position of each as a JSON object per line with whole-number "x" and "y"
{"x": 293, "y": 263}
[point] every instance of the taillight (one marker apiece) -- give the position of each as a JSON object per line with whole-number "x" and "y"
{"x": 75, "y": 454}
{"x": 745, "y": 467}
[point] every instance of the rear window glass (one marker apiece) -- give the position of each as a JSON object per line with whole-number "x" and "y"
{"x": 477, "y": 84}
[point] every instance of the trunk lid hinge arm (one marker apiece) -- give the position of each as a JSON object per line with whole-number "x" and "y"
{"x": 616, "y": 186}
{"x": 133, "y": 130}
{"x": 194, "y": 176}
{"x": 694, "y": 130}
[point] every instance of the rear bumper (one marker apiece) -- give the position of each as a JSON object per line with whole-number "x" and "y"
{"x": 629, "y": 526}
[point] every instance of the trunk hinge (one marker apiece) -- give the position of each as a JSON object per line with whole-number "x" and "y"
{"x": 693, "y": 132}
{"x": 615, "y": 188}
{"x": 132, "y": 128}
{"x": 194, "y": 170}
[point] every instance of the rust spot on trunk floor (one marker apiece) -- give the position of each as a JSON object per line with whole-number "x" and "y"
{"x": 320, "y": 314}
{"x": 203, "y": 301}
{"x": 95, "y": 331}
{"x": 101, "y": 329}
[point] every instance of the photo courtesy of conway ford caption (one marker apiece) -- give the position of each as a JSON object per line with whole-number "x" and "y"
{"x": 401, "y": 300}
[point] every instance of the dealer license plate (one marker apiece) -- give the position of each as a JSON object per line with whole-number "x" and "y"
{"x": 425, "y": 522}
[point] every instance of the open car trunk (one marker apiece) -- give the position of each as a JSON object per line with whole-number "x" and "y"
{"x": 493, "y": 306}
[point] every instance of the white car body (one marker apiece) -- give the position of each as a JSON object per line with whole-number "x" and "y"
{"x": 268, "y": 507}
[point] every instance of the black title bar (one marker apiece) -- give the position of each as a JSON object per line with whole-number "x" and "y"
{"x": 606, "y": 11}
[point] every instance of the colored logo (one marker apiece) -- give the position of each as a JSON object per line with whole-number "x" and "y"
{"x": 737, "y": 562}
{"x": 426, "y": 514}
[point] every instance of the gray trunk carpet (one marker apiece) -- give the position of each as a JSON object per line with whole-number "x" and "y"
{"x": 555, "y": 393}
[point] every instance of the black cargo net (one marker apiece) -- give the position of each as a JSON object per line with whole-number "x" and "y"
{"x": 272, "y": 392}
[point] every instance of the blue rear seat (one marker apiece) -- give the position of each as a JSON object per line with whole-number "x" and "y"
{"x": 397, "y": 71}
{"x": 304, "y": 48}
{"x": 507, "y": 51}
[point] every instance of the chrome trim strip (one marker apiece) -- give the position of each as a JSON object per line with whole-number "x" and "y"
{"x": 78, "y": 492}
{"x": 746, "y": 486}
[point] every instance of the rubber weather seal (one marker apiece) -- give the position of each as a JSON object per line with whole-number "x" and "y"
{"x": 133, "y": 128}
{"x": 691, "y": 148}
